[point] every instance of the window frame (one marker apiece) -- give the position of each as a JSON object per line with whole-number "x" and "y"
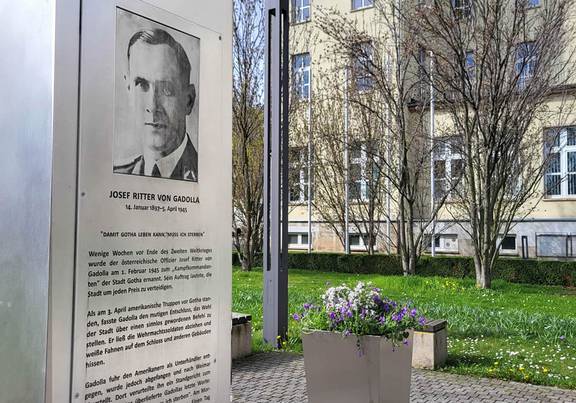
{"x": 303, "y": 180}
{"x": 526, "y": 62}
{"x": 301, "y": 244}
{"x": 361, "y": 246}
{"x": 507, "y": 251}
{"x": 440, "y": 243}
{"x": 448, "y": 157}
{"x": 462, "y": 11}
{"x": 298, "y": 8}
{"x": 362, "y": 80}
{"x": 564, "y": 149}
{"x": 364, "y": 6}
{"x": 362, "y": 162}
{"x": 300, "y": 85}
{"x": 470, "y": 65}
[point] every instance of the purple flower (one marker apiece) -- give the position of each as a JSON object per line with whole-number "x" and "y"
{"x": 421, "y": 320}
{"x": 382, "y": 320}
{"x": 346, "y": 333}
{"x": 307, "y": 306}
{"x": 413, "y": 313}
{"x": 398, "y": 317}
{"x": 405, "y": 342}
{"x": 296, "y": 317}
{"x": 332, "y": 315}
{"x": 562, "y": 338}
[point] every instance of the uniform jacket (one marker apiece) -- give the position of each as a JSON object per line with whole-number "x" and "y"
{"x": 185, "y": 169}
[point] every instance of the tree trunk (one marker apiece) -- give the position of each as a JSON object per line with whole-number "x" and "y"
{"x": 483, "y": 272}
{"x": 247, "y": 256}
{"x": 412, "y": 260}
{"x": 246, "y": 264}
{"x": 405, "y": 264}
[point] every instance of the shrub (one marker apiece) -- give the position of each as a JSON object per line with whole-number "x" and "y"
{"x": 515, "y": 270}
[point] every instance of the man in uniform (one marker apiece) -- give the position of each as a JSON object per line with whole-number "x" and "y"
{"x": 159, "y": 83}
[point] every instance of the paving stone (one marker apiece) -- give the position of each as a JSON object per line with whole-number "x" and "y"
{"x": 279, "y": 378}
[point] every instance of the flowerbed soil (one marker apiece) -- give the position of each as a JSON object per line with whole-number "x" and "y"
{"x": 517, "y": 332}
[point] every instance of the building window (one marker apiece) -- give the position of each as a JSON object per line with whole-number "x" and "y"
{"x": 423, "y": 86}
{"x": 362, "y": 164}
{"x": 447, "y": 243}
{"x": 362, "y": 61}
{"x": 470, "y": 65}
{"x": 301, "y": 9}
{"x": 358, "y": 4}
{"x": 462, "y": 8}
{"x": 297, "y": 239}
{"x": 448, "y": 165}
{"x": 357, "y": 242}
{"x": 560, "y": 150}
{"x": 554, "y": 245}
{"x": 301, "y": 75}
{"x": 525, "y": 65}
{"x": 298, "y": 175}
{"x": 508, "y": 244}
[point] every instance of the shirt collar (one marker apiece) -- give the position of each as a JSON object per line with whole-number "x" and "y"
{"x": 165, "y": 164}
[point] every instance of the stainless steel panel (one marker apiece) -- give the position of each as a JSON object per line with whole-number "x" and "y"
{"x": 26, "y": 74}
{"x": 63, "y": 225}
{"x": 101, "y": 354}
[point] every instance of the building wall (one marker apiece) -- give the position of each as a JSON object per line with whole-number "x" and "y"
{"x": 549, "y": 219}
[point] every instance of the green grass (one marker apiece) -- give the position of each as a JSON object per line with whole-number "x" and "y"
{"x": 515, "y": 332}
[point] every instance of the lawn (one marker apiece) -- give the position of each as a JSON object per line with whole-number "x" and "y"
{"x": 516, "y": 332}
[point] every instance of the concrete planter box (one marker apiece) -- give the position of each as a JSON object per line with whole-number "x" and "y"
{"x": 337, "y": 372}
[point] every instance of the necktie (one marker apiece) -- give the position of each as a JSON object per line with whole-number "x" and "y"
{"x": 156, "y": 171}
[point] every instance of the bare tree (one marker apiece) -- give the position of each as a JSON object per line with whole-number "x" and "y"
{"x": 365, "y": 146}
{"x": 500, "y": 67}
{"x": 248, "y": 128}
{"x": 382, "y": 54}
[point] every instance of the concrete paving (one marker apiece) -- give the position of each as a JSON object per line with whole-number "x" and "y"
{"x": 279, "y": 378}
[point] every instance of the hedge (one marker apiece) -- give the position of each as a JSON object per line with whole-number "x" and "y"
{"x": 515, "y": 270}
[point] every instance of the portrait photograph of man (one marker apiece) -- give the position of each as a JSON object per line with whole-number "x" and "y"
{"x": 156, "y": 108}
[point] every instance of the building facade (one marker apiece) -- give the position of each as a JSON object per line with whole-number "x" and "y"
{"x": 547, "y": 229}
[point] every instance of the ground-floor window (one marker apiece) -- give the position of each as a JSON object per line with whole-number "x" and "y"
{"x": 508, "y": 244}
{"x": 357, "y": 242}
{"x": 297, "y": 239}
{"x": 446, "y": 243}
{"x": 555, "y": 245}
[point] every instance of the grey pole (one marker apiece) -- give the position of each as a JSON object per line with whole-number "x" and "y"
{"x": 389, "y": 159}
{"x": 309, "y": 168}
{"x": 432, "y": 187}
{"x": 346, "y": 167}
{"x": 275, "y": 302}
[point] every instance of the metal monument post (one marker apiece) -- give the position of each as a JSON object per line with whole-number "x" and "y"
{"x": 346, "y": 167}
{"x": 432, "y": 173}
{"x": 276, "y": 173}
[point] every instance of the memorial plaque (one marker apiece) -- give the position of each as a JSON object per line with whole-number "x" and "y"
{"x": 152, "y": 244}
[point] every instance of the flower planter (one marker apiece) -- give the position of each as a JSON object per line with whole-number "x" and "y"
{"x": 337, "y": 371}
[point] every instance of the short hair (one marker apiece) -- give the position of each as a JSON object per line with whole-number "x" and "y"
{"x": 161, "y": 37}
